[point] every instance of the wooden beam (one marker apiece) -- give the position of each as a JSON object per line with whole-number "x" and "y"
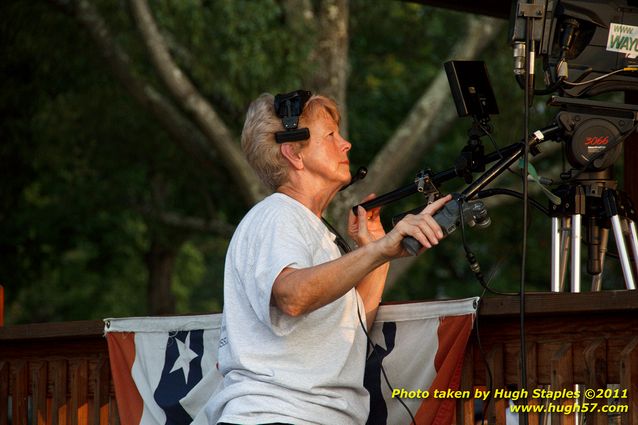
{"x": 544, "y": 303}
{"x": 630, "y": 168}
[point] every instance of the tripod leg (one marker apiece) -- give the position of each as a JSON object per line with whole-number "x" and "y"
{"x": 565, "y": 242}
{"x": 633, "y": 239}
{"x": 594, "y": 263}
{"x": 622, "y": 252}
{"x": 597, "y": 280}
{"x": 556, "y": 242}
{"x": 575, "y": 249}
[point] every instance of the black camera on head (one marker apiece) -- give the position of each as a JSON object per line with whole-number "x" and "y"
{"x": 289, "y": 107}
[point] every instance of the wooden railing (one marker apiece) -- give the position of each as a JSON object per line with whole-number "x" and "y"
{"x": 59, "y": 373}
{"x": 56, "y": 373}
{"x": 587, "y": 339}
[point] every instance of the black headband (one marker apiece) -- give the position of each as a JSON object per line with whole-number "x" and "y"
{"x": 289, "y": 107}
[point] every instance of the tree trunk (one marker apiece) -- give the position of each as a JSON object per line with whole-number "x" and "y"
{"x": 331, "y": 55}
{"x": 160, "y": 260}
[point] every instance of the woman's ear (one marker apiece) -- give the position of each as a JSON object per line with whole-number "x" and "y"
{"x": 292, "y": 153}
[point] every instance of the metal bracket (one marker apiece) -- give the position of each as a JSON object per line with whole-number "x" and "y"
{"x": 530, "y": 10}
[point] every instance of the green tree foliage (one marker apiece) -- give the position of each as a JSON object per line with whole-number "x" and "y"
{"x": 91, "y": 181}
{"x": 88, "y": 168}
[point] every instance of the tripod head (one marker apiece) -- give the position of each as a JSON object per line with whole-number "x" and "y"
{"x": 594, "y": 131}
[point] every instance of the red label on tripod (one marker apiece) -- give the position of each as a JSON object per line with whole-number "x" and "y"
{"x": 597, "y": 141}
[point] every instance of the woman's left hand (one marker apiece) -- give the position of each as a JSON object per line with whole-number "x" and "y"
{"x": 366, "y": 226}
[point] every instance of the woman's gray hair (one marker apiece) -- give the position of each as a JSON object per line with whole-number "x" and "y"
{"x": 258, "y": 136}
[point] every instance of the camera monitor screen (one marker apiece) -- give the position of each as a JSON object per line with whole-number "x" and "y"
{"x": 471, "y": 88}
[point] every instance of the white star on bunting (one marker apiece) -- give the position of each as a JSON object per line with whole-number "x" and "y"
{"x": 186, "y": 355}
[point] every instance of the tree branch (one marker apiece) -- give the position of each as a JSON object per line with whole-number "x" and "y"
{"x": 196, "y": 224}
{"x": 189, "y": 98}
{"x": 181, "y": 131}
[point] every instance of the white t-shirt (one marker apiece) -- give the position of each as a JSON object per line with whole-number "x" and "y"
{"x": 277, "y": 368}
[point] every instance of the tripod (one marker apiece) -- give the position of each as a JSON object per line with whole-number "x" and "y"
{"x": 593, "y": 201}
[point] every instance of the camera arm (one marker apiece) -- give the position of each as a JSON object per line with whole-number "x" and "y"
{"x": 428, "y": 183}
{"x": 423, "y": 183}
{"x": 515, "y": 151}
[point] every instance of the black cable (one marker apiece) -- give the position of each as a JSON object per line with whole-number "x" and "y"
{"x": 487, "y": 132}
{"x": 547, "y": 90}
{"x": 528, "y": 98}
{"x": 486, "y": 288}
{"x": 343, "y": 245}
{"x": 497, "y": 191}
{"x": 471, "y": 258}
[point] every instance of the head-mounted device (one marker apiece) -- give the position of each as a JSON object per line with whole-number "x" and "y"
{"x": 289, "y": 107}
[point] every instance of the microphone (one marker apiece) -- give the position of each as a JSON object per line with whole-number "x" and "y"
{"x": 361, "y": 173}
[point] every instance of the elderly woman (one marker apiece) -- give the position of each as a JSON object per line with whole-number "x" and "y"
{"x": 293, "y": 345}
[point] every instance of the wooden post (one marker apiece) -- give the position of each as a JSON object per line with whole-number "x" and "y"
{"x": 39, "y": 393}
{"x": 496, "y": 411}
{"x": 59, "y": 370}
{"x": 596, "y": 362}
{"x": 79, "y": 389}
{"x": 533, "y": 418}
{"x": 629, "y": 381}
{"x": 21, "y": 393}
{"x": 101, "y": 404}
{"x": 563, "y": 378}
{"x": 4, "y": 390}
{"x": 465, "y": 407}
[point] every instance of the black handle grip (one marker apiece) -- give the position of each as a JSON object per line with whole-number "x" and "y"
{"x": 411, "y": 245}
{"x": 473, "y": 213}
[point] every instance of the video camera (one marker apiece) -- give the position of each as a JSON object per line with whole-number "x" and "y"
{"x": 587, "y": 46}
